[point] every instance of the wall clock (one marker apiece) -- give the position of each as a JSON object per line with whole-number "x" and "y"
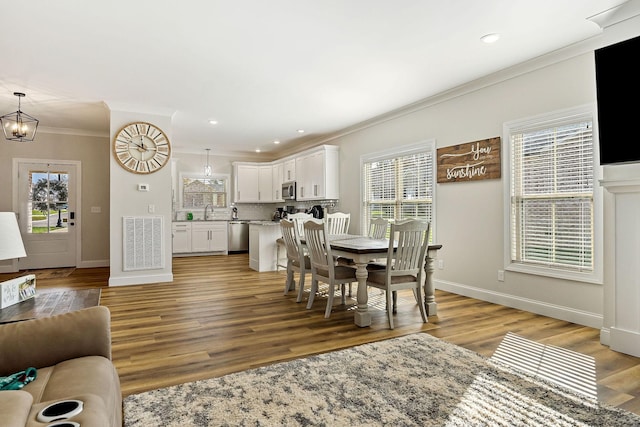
{"x": 141, "y": 147}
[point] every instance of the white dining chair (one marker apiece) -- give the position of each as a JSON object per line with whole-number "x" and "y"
{"x": 323, "y": 267}
{"x": 404, "y": 265}
{"x": 298, "y": 218}
{"x": 378, "y": 228}
{"x": 338, "y": 223}
{"x": 297, "y": 261}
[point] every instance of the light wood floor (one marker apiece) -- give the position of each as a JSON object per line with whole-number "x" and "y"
{"x": 219, "y": 317}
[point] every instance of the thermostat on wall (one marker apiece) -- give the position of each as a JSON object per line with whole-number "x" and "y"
{"x": 143, "y": 187}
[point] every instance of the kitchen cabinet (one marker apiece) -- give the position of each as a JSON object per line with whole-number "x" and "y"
{"x": 181, "y": 234}
{"x": 277, "y": 180}
{"x": 254, "y": 182}
{"x": 246, "y": 179}
{"x": 209, "y": 236}
{"x": 317, "y": 174}
{"x": 289, "y": 170}
{"x": 265, "y": 183}
{"x": 262, "y": 245}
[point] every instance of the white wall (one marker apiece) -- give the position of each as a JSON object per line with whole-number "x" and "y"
{"x": 126, "y": 200}
{"x": 469, "y": 216}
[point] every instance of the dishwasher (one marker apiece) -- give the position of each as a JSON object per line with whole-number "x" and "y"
{"x": 238, "y": 236}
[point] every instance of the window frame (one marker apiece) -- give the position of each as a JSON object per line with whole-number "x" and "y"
{"x": 425, "y": 146}
{"x": 197, "y": 176}
{"x": 545, "y": 121}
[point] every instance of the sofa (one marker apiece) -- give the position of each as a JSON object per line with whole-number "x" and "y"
{"x": 72, "y": 355}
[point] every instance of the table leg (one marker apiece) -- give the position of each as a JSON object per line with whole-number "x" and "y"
{"x": 430, "y": 304}
{"x": 362, "y": 316}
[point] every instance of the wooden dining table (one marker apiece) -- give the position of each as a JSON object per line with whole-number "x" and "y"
{"x": 362, "y": 250}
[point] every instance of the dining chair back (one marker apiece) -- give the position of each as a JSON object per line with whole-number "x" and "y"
{"x": 338, "y": 223}
{"x": 297, "y": 261}
{"x": 378, "y": 228}
{"x": 298, "y": 219}
{"x": 405, "y": 265}
{"x": 323, "y": 267}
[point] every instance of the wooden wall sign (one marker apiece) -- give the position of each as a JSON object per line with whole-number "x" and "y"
{"x": 471, "y": 161}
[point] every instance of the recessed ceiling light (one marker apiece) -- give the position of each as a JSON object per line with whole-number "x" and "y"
{"x": 213, "y": 122}
{"x": 490, "y": 38}
{"x": 257, "y": 150}
{"x": 300, "y": 130}
{"x": 276, "y": 142}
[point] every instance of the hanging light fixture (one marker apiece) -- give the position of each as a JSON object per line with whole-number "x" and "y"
{"x": 207, "y": 167}
{"x": 19, "y": 126}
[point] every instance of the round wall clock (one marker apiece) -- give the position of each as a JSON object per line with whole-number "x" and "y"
{"x": 141, "y": 147}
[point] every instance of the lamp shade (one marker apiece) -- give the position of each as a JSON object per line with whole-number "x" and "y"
{"x": 11, "y": 245}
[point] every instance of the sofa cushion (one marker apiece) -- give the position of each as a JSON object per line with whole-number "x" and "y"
{"x": 14, "y": 407}
{"x": 90, "y": 375}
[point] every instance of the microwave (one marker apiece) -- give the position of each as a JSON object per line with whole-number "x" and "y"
{"x": 289, "y": 190}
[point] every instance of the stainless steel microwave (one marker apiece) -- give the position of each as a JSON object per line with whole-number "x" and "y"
{"x": 289, "y": 190}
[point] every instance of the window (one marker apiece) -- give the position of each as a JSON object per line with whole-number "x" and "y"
{"x": 399, "y": 184}
{"x": 552, "y": 196}
{"x": 198, "y": 192}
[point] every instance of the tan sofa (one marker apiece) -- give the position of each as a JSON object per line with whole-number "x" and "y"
{"x": 72, "y": 355}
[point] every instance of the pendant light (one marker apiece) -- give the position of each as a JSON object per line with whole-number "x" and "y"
{"x": 207, "y": 167}
{"x": 19, "y": 126}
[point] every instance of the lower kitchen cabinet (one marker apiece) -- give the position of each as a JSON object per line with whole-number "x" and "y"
{"x": 181, "y": 233}
{"x": 263, "y": 246}
{"x": 200, "y": 237}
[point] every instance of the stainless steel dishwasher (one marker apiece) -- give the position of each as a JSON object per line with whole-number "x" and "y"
{"x": 238, "y": 236}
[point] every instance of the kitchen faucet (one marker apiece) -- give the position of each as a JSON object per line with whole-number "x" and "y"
{"x": 205, "y": 211}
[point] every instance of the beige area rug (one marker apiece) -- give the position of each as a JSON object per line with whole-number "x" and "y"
{"x": 415, "y": 380}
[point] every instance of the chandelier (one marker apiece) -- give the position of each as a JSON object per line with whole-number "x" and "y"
{"x": 207, "y": 167}
{"x": 19, "y": 126}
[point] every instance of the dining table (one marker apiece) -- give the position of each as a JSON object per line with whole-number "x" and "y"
{"x": 362, "y": 250}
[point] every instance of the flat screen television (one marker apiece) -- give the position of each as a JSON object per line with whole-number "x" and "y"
{"x": 618, "y": 95}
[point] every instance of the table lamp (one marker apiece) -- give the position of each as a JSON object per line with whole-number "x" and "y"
{"x": 11, "y": 246}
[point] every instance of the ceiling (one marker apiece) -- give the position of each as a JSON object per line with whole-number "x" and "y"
{"x": 263, "y": 69}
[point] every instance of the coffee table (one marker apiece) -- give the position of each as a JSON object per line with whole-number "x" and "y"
{"x": 50, "y": 302}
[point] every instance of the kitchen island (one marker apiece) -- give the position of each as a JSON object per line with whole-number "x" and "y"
{"x": 262, "y": 245}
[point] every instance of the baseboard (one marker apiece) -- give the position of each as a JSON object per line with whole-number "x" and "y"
{"x": 624, "y": 341}
{"x": 140, "y": 280}
{"x": 94, "y": 263}
{"x": 568, "y": 314}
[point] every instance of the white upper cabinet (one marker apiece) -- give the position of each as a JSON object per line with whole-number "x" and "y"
{"x": 246, "y": 177}
{"x": 289, "y": 170}
{"x": 277, "y": 175}
{"x": 265, "y": 183}
{"x": 317, "y": 174}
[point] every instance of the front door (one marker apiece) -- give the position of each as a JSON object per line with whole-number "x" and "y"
{"x": 47, "y": 216}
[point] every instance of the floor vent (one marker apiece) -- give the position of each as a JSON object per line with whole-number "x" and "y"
{"x": 142, "y": 243}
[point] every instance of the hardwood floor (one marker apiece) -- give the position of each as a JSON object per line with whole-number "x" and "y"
{"x": 218, "y": 317}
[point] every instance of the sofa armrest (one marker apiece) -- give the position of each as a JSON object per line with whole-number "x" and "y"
{"x": 14, "y": 407}
{"x": 50, "y": 340}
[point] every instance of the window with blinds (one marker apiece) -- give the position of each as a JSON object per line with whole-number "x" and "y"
{"x": 552, "y": 193}
{"x": 399, "y": 186}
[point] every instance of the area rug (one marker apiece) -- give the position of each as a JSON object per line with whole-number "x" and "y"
{"x": 415, "y": 380}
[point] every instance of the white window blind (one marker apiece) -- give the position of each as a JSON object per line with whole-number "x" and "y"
{"x": 552, "y": 194}
{"x": 398, "y": 187}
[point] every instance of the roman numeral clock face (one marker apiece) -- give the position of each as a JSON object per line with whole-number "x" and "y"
{"x": 141, "y": 148}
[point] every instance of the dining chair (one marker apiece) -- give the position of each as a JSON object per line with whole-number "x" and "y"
{"x": 298, "y": 219}
{"x": 405, "y": 265}
{"x": 297, "y": 261}
{"x": 378, "y": 228}
{"x": 323, "y": 267}
{"x": 338, "y": 223}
